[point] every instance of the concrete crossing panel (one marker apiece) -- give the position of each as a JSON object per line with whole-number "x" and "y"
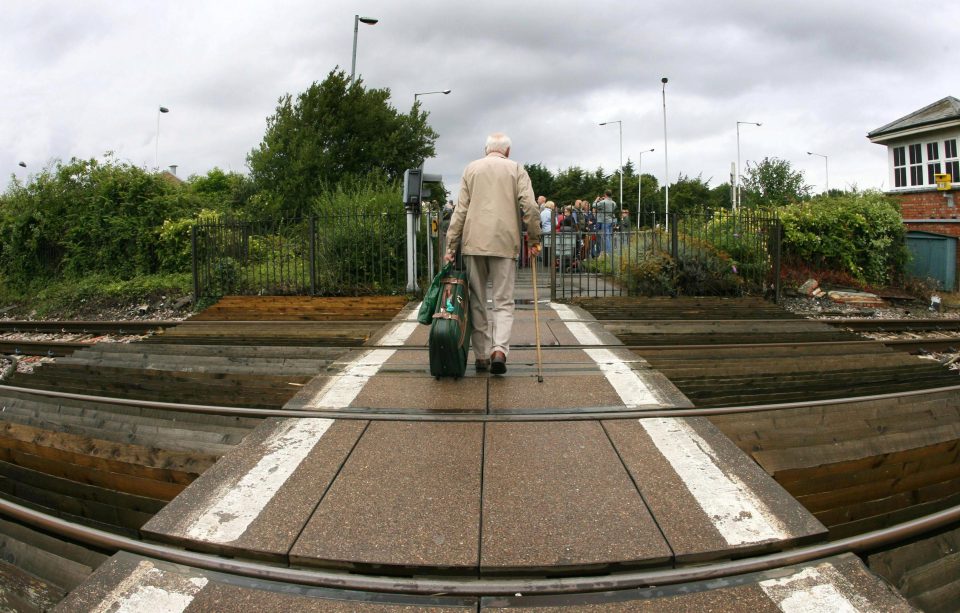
{"x": 709, "y": 499}
{"x": 408, "y": 496}
{"x": 555, "y": 495}
{"x": 837, "y": 584}
{"x": 258, "y": 497}
{"x": 132, "y": 583}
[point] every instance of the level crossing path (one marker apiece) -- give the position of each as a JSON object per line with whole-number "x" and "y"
{"x": 487, "y": 477}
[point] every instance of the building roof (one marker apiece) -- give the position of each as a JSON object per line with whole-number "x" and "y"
{"x": 945, "y": 110}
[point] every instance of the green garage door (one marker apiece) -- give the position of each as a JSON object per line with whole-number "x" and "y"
{"x": 933, "y": 256}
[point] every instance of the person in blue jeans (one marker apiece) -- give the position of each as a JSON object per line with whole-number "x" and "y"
{"x": 606, "y": 218}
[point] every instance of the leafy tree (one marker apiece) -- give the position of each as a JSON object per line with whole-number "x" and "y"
{"x": 689, "y": 194}
{"x": 334, "y": 130}
{"x": 773, "y": 182}
{"x": 222, "y": 191}
{"x": 541, "y": 178}
{"x": 720, "y": 197}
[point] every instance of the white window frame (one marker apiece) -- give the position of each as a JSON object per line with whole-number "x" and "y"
{"x": 951, "y": 164}
{"x": 899, "y": 170}
{"x": 924, "y": 166}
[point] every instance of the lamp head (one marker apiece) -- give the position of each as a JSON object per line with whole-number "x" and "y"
{"x": 164, "y": 109}
{"x": 663, "y": 80}
{"x": 368, "y": 20}
{"x": 446, "y": 91}
{"x": 22, "y": 164}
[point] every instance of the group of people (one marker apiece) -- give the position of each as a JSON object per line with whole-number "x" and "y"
{"x": 592, "y": 226}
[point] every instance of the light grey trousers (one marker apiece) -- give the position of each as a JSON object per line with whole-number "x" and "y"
{"x": 491, "y": 333}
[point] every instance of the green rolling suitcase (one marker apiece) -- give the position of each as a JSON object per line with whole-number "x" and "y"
{"x": 450, "y": 331}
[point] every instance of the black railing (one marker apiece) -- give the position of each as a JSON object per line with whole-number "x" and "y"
{"x": 343, "y": 253}
{"x": 719, "y": 253}
{"x": 350, "y": 253}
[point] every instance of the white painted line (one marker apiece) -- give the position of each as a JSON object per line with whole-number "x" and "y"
{"x": 148, "y": 588}
{"x": 631, "y": 389}
{"x": 236, "y": 503}
{"x": 817, "y": 588}
{"x": 737, "y": 513}
{"x": 626, "y": 381}
{"x": 399, "y": 333}
{"x": 343, "y": 388}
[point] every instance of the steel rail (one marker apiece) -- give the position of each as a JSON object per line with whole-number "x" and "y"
{"x": 473, "y": 586}
{"x": 90, "y": 327}
{"x": 360, "y": 413}
{"x": 44, "y": 348}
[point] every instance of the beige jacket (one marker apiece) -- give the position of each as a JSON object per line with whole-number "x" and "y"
{"x": 485, "y": 220}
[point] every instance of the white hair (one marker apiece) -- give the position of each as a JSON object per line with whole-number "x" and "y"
{"x": 499, "y": 142}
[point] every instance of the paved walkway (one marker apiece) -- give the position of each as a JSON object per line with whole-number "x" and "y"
{"x": 488, "y": 476}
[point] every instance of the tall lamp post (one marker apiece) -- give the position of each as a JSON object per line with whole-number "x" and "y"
{"x": 357, "y": 20}
{"x": 156, "y": 154}
{"x": 444, "y": 92}
{"x": 666, "y": 167}
{"x": 826, "y": 167}
{"x": 736, "y": 204}
{"x": 620, "y": 168}
{"x": 640, "y": 182}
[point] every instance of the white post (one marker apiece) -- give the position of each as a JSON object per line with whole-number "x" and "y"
{"x": 412, "y": 249}
{"x": 737, "y": 203}
{"x": 826, "y": 167}
{"x": 640, "y": 182}
{"x": 666, "y": 166}
{"x": 620, "y": 170}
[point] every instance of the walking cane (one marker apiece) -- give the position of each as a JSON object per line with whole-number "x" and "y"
{"x": 536, "y": 321}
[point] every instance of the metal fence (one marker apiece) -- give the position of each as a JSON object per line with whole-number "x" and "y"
{"x": 348, "y": 253}
{"x": 342, "y": 253}
{"x": 694, "y": 253}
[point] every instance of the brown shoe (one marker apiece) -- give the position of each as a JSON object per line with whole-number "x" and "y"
{"x": 482, "y": 365}
{"x": 498, "y": 363}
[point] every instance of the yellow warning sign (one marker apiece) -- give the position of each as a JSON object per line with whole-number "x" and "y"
{"x": 942, "y": 181}
{"x": 435, "y": 227}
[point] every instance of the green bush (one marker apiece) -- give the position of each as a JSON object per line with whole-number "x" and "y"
{"x": 700, "y": 269}
{"x": 361, "y": 232}
{"x": 174, "y": 248}
{"x": 86, "y": 217}
{"x": 858, "y": 233}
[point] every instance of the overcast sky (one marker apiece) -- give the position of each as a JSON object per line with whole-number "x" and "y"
{"x": 81, "y": 78}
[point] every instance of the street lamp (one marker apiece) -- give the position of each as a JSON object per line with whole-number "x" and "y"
{"x": 22, "y": 164}
{"x": 357, "y": 19}
{"x": 156, "y": 159}
{"x": 736, "y": 204}
{"x": 666, "y": 167}
{"x": 444, "y": 92}
{"x": 620, "y": 168}
{"x": 826, "y": 167}
{"x": 640, "y": 181}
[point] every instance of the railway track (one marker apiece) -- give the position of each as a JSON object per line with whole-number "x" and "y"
{"x": 351, "y": 333}
{"x": 924, "y": 508}
{"x": 569, "y": 590}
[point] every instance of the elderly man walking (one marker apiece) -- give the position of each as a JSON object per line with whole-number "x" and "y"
{"x": 486, "y": 228}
